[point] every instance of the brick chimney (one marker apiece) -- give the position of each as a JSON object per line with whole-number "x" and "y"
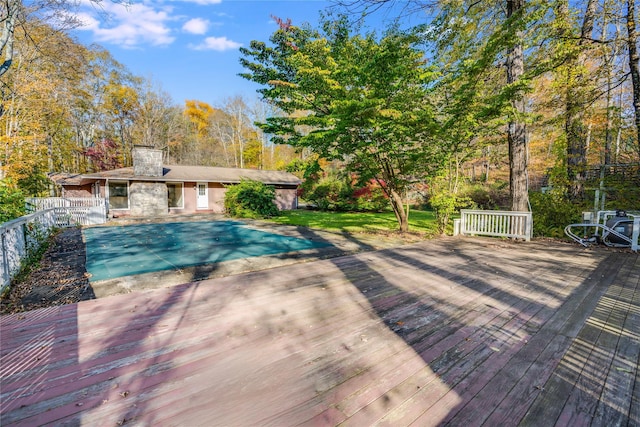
{"x": 147, "y": 161}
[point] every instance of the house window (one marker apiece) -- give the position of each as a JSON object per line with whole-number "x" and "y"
{"x": 118, "y": 195}
{"x": 175, "y": 194}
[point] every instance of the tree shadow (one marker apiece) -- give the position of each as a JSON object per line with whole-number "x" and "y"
{"x": 55, "y": 370}
{"x": 470, "y": 343}
{"x": 466, "y": 321}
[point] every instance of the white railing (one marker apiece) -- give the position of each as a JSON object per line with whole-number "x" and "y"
{"x": 20, "y": 238}
{"x": 42, "y": 203}
{"x": 517, "y": 225}
{"x": 23, "y": 236}
{"x": 72, "y": 211}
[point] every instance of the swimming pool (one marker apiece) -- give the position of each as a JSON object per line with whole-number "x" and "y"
{"x": 125, "y": 250}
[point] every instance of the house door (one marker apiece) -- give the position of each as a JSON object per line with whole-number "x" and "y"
{"x": 202, "y": 201}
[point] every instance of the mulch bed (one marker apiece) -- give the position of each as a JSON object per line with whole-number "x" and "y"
{"x": 60, "y": 278}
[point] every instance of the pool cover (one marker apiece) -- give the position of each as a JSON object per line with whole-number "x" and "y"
{"x": 127, "y": 250}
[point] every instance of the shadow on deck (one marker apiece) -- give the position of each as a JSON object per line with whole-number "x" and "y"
{"x": 452, "y": 331}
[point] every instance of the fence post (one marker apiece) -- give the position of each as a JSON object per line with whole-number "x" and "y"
{"x": 6, "y": 278}
{"x": 528, "y": 227}
{"x": 456, "y": 226}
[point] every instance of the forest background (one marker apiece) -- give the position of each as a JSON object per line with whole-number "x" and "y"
{"x": 561, "y": 77}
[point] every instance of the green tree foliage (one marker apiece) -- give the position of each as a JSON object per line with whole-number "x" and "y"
{"x": 552, "y": 212}
{"x": 483, "y": 49}
{"x": 250, "y": 199}
{"x": 353, "y": 98}
{"x": 11, "y": 201}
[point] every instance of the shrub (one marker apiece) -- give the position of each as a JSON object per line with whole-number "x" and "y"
{"x": 333, "y": 194}
{"x": 11, "y": 201}
{"x": 444, "y": 204}
{"x": 552, "y": 212}
{"x": 250, "y": 199}
{"x": 329, "y": 194}
{"x": 370, "y": 198}
{"x": 488, "y": 196}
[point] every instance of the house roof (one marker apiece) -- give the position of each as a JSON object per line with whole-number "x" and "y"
{"x": 64, "y": 178}
{"x": 177, "y": 173}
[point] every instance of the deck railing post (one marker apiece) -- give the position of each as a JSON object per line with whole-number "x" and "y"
{"x": 6, "y": 278}
{"x": 456, "y": 226}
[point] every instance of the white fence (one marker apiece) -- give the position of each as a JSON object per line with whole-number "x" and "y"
{"x": 72, "y": 211}
{"x": 518, "y": 225}
{"x": 20, "y": 238}
{"x": 23, "y": 236}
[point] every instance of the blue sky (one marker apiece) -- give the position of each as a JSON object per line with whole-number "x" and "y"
{"x": 189, "y": 47}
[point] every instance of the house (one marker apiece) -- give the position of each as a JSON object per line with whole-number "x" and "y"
{"x": 149, "y": 188}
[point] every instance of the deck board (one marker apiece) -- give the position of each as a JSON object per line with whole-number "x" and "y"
{"x": 573, "y": 389}
{"x": 466, "y": 331}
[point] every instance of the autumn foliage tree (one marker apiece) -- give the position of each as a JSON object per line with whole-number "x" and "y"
{"x": 104, "y": 155}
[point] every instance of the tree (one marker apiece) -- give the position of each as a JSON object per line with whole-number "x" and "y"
{"x": 574, "y": 73}
{"x": 354, "y": 98}
{"x": 634, "y": 59}
{"x": 121, "y": 104}
{"x": 471, "y": 40}
{"x": 155, "y": 119}
{"x": 199, "y": 115}
{"x": 235, "y": 132}
{"x": 516, "y": 128}
{"x": 104, "y": 155}
{"x": 15, "y": 15}
{"x": 37, "y": 92}
{"x": 11, "y": 201}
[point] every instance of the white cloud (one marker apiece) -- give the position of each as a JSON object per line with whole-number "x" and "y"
{"x": 196, "y": 26}
{"x": 216, "y": 43}
{"x": 203, "y": 2}
{"x": 87, "y": 21}
{"x": 132, "y": 25}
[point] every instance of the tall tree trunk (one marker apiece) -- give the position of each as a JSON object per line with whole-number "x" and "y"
{"x": 516, "y": 130}
{"x": 9, "y": 23}
{"x": 608, "y": 59}
{"x": 633, "y": 65}
{"x": 575, "y": 130}
{"x": 608, "y": 134}
{"x": 587, "y": 23}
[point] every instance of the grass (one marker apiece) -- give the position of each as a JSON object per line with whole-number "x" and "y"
{"x": 419, "y": 221}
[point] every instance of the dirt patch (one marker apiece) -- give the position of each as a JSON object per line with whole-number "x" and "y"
{"x": 61, "y": 277}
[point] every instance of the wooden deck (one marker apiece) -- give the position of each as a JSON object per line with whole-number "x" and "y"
{"x": 462, "y": 332}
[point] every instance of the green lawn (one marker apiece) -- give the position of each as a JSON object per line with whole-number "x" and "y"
{"x": 419, "y": 221}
